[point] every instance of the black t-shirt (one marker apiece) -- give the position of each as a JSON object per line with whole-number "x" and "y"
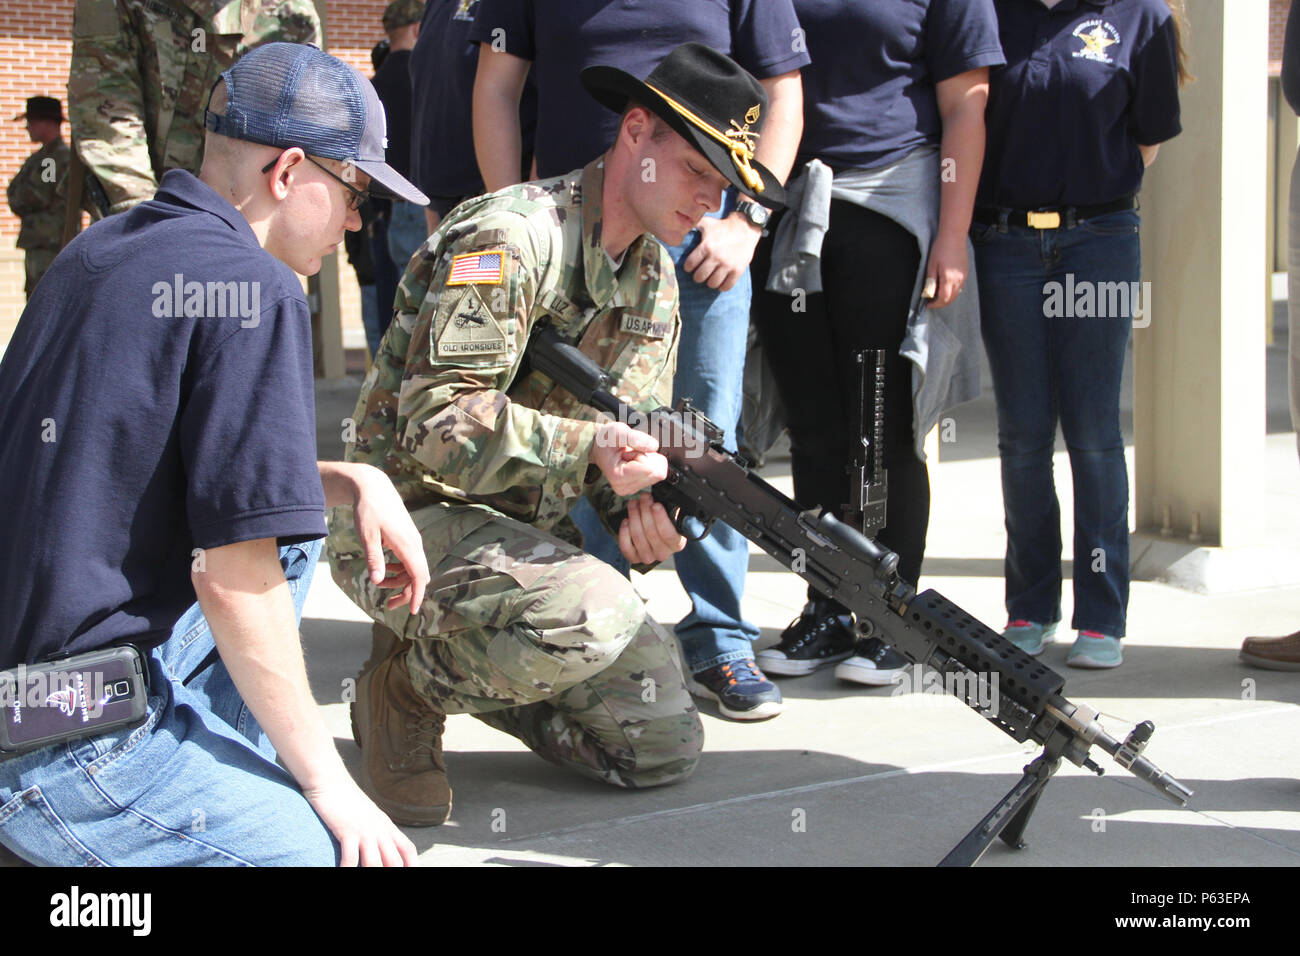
{"x": 393, "y": 84}
{"x": 562, "y": 37}
{"x": 1085, "y": 84}
{"x": 157, "y": 398}
{"x": 869, "y": 93}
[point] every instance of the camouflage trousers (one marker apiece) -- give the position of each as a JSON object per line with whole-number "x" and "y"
{"x": 536, "y": 638}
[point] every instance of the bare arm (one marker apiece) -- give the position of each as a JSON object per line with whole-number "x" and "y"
{"x": 246, "y": 602}
{"x": 1148, "y": 153}
{"x": 727, "y": 245}
{"x": 962, "y": 99}
{"x": 382, "y": 522}
{"x": 498, "y": 143}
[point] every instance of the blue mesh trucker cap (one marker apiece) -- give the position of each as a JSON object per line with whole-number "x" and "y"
{"x": 293, "y": 94}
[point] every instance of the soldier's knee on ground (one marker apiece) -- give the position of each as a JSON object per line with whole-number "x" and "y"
{"x": 668, "y": 751}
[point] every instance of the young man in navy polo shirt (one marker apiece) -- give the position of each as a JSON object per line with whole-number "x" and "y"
{"x": 160, "y": 445}
{"x": 763, "y": 36}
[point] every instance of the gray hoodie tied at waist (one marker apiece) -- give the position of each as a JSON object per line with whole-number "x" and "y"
{"x": 943, "y": 344}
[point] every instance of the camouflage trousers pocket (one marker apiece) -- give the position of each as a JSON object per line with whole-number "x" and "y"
{"x": 530, "y": 672}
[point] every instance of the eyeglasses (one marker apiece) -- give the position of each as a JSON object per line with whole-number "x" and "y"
{"x": 357, "y": 197}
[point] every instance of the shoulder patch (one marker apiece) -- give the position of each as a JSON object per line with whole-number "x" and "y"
{"x": 471, "y": 328}
{"x": 93, "y": 18}
{"x": 483, "y": 267}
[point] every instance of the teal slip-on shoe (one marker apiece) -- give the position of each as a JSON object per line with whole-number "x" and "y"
{"x": 1029, "y": 636}
{"x": 1095, "y": 650}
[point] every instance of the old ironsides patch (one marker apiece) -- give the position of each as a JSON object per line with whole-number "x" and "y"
{"x": 470, "y": 328}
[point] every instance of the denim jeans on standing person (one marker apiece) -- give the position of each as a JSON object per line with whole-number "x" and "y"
{"x": 387, "y": 276}
{"x": 196, "y": 784}
{"x": 407, "y": 231}
{"x": 370, "y": 316}
{"x": 1054, "y": 357}
{"x": 710, "y": 370}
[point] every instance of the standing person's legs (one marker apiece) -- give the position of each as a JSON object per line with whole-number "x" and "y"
{"x": 1104, "y": 256}
{"x": 869, "y": 266}
{"x": 407, "y": 231}
{"x": 1013, "y": 269}
{"x": 197, "y": 783}
{"x": 540, "y": 640}
{"x": 387, "y": 276}
{"x": 813, "y": 378}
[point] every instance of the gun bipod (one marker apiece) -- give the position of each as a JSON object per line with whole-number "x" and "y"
{"x": 1010, "y": 816}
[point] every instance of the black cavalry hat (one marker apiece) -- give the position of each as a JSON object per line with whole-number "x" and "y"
{"x": 710, "y": 100}
{"x": 42, "y": 107}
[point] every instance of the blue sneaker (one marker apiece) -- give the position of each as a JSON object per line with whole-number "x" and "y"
{"x": 1095, "y": 650}
{"x": 1029, "y": 636}
{"x": 742, "y": 691}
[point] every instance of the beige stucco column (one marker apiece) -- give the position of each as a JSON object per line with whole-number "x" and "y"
{"x": 327, "y": 315}
{"x": 1199, "y": 365}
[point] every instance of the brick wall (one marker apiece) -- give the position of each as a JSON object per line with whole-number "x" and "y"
{"x": 1277, "y": 11}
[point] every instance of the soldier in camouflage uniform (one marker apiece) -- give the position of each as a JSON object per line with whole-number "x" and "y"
{"x": 142, "y": 70}
{"x": 38, "y": 193}
{"x": 519, "y": 626}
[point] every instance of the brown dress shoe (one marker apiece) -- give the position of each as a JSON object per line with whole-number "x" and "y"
{"x": 1272, "y": 653}
{"x": 400, "y": 736}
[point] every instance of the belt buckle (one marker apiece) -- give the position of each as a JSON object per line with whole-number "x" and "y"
{"x": 1043, "y": 220}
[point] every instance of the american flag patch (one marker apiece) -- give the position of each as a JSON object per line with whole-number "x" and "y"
{"x": 485, "y": 267}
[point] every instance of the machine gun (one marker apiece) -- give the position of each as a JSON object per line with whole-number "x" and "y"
{"x": 708, "y": 483}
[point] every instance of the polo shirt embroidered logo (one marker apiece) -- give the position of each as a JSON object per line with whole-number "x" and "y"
{"x": 1096, "y": 35}
{"x": 466, "y": 10}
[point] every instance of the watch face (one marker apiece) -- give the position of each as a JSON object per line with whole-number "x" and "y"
{"x": 754, "y": 213}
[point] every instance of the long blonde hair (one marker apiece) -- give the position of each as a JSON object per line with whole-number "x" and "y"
{"x": 1180, "y": 34}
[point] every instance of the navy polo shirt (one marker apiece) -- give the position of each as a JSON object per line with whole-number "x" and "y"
{"x": 442, "y": 70}
{"x": 157, "y": 398}
{"x": 871, "y": 101}
{"x": 563, "y": 37}
{"x": 1085, "y": 84}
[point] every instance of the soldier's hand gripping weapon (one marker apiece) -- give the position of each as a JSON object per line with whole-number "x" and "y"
{"x": 708, "y": 483}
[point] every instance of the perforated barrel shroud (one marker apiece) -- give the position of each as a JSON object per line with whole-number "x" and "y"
{"x": 1022, "y": 680}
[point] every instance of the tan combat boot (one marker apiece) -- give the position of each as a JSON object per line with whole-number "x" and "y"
{"x": 400, "y": 736}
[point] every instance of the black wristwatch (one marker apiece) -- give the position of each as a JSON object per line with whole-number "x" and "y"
{"x": 755, "y": 213}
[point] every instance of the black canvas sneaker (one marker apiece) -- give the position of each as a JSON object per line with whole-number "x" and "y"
{"x": 817, "y": 637}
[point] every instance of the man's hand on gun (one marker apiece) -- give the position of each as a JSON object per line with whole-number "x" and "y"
{"x": 630, "y": 460}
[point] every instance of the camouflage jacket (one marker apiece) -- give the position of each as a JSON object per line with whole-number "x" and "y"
{"x": 141, "y": 73}
{"x": 37, "y": 195}
{"x": 450, "y": 410}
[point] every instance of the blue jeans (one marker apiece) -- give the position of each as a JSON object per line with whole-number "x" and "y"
{"x": 1053, "y": 356}
{"x": 370, "y": 317}
{"x": 710, "y": 370}
{"x": 387, "y": 276}
{"x": 407, "y": 231}
{"x": 196, "y": 784}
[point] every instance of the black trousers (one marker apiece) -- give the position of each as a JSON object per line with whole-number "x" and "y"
{"x": 869, "y": 264}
